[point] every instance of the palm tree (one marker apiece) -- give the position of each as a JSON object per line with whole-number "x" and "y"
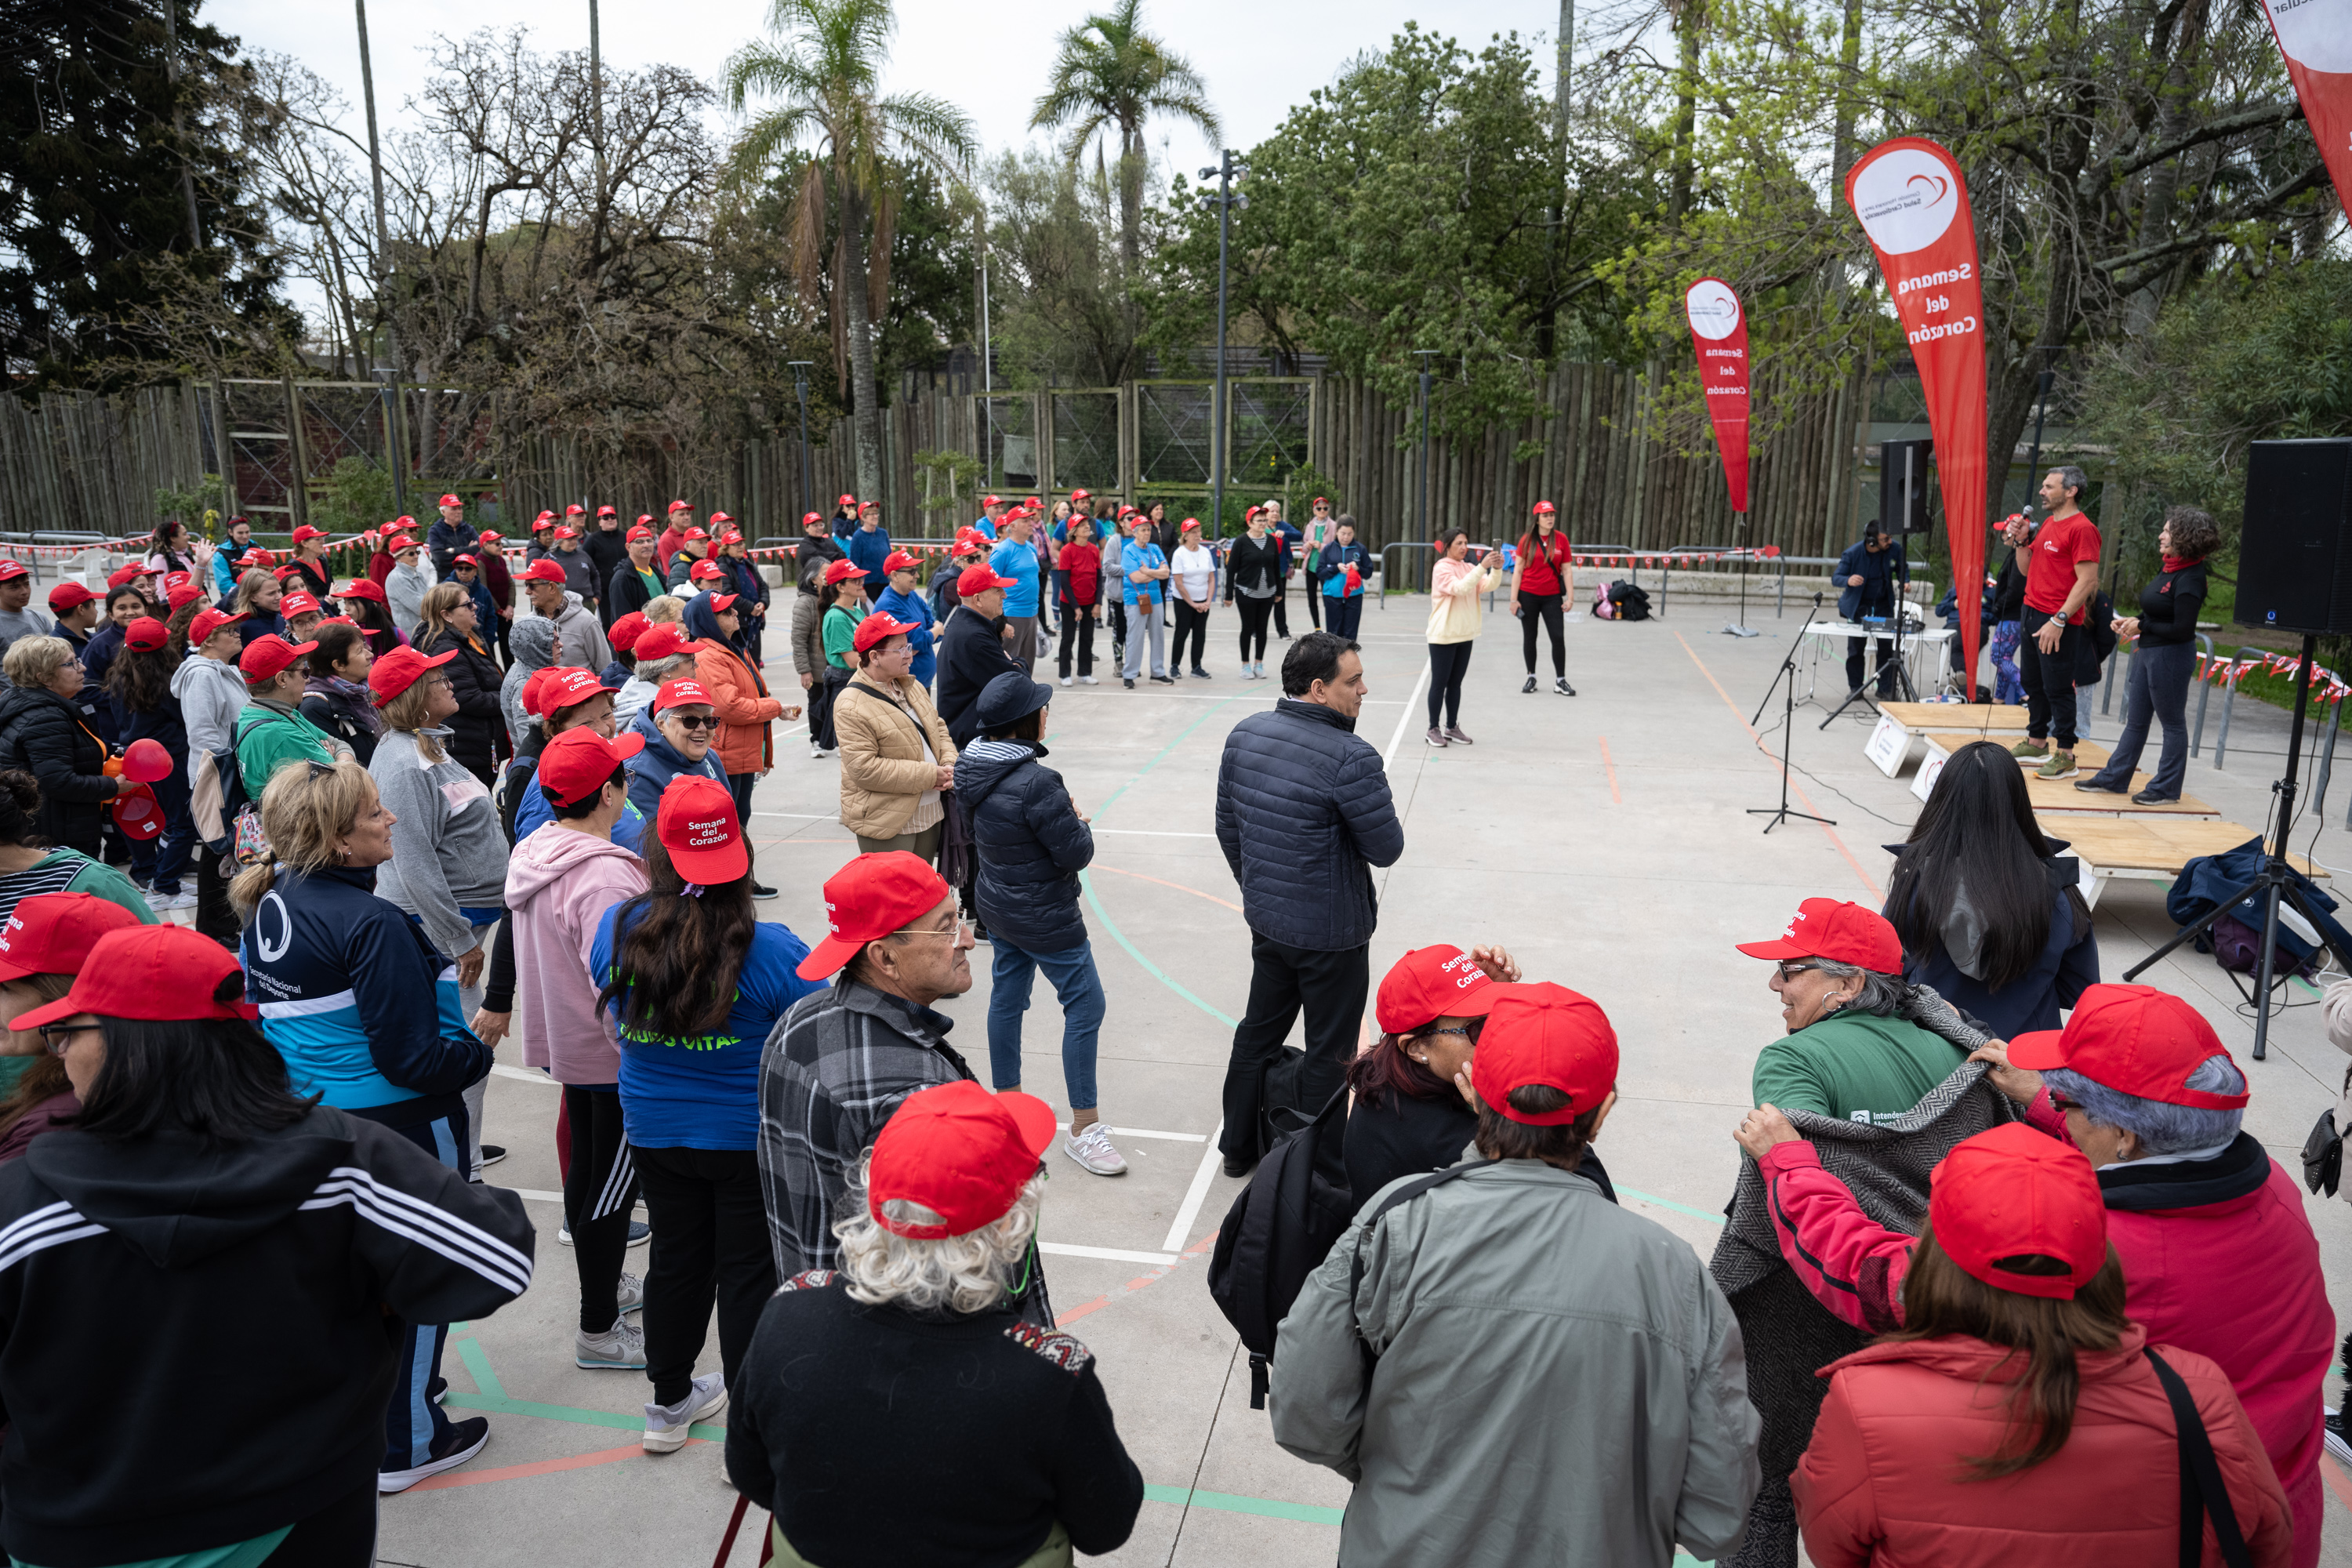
{"x": 1108, "y": 77}
{"x": 822, "y": 66}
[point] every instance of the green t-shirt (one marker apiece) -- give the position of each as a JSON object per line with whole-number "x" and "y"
{"x": 840, "y": 636}
{"x": 269, "y": 739}
{"x": 71, "y": 871}
{"x": 1853, "y": 1066}
{"x": 655, "y": 587}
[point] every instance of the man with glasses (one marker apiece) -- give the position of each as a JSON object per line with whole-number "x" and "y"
{"x": 842, "y": 1059}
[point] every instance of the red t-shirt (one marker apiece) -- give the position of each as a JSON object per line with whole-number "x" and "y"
{"x": 1537, "y": 574}
{"x": 2049, "y": 575}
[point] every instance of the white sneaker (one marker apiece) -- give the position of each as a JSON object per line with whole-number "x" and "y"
{"x": 1066, "y": 681}
{"x": 632, "y": 1294}
{"x": 1092, "y": 1148}
{"x": 621, "y": 1347}
{"x": 1088, "y": 680}
{"x": 161, "y": 901}
{"x": 666, "y": 1425}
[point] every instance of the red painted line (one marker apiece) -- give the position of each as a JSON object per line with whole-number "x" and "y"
{"x": 1827, "y": 831}
{"x": 1157, "y": 882}
{"x": 1606, "y": 762}
{"x": 538, "y": 1467}
{"x": 2335, "y": 1480}
{"x": 1197, "y": 1249}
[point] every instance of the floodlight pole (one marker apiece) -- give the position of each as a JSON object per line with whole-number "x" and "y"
{"x": 800, "y": 369}
{"x": 395, "y": 432}
{"x": 1228, "y": 171}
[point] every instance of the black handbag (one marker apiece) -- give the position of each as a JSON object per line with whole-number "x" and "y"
{"x": 2201, "y": 1492}
{"x": 2323, "y": 1154}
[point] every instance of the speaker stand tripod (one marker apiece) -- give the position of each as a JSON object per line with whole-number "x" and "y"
{"x": 1895, "y": 666}
{"x": 2276, "y": 881}
{"x": 1781, "y": 813}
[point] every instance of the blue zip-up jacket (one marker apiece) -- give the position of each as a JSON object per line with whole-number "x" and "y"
{"x": 651, "y": 769}
{"x": 869, "y": 550}
{"x": 532, "y": 812}
{"x": 357, "y": 1001}
{"x": 912, "y": 608}
{"x": 1337, "y": 559}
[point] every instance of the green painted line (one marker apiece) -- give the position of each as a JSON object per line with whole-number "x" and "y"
{"x": 1227, "y": 1502}
{"x": 1086, "y": 880}
{"x": 1709, "y": 1216}
{"x": 1182, "y": 736}
{"x": 478, "y": 1363}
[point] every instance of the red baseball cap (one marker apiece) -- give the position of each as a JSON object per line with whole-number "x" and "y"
{"x": 293, "y": 604}
{"x": 1841, "y": 932}
{"x": 679, "y": 506}
{"x": 52, "y": 933}
{"x": 808, "y": 517}
{"x": 11, "y": 570}
{"x": 398, "y": 671}
{"x": 1545, "y": 508}
{"x": 722, "y": 603}
{"x": 719, "y": 517}
{"x": 581, "y": 760}
{"x": 706, "y": 571}
{"x": 875, "y": 627}
{"x": 208, "y": 622}
{"x": 623, "y": 633}
{"x": 463, "y": 560}
{"x": 154, "y": 974}
{"x": 362, "y": 588}
{"x": 575, "y": 510}
{"x": 987, "y": 501}
{"x": 123, "y": 576}
{"x": 305, "y": 533}
{"x": 732, "y": 536}
{"x": 2015, "y": 1193}
{"x": 849, "y": 501}
{"x": 1082, "y": 495}
{"x": 544, "y": 520}
{"x": 866, "y": 506}
{"x": 182, "y": 595}
{"x": 1544, "y": 1034}
{"x": 487, "y": 538}
{"x": 608, "y": 512}
{"x": 268, "y": 655}
{"x": 959, "y": 1152}
{"x": 900, "y": 559}
{"x": 543, "y": 571}
{"x": 567, "y": 531}
{"x": 679, "y": 692}
{"x": 69, "y": 596}
{"x": 698, "y": 824}
{"x": 147, "y": 634}
{"x": 868, "y": 899}
{"x": 1321, "y": 501}
{"x": 695, "y": 535}
{"x": 1429, "y": 984}
{"x": 563, "y": 687}
{"x": 402, "y": 546}
{"x": 663, "y": 639}
{"x": 2134, "y": 1039}
{"x": 980, "y": 578}
{"x": 842, "y": 571}
{"x": 448, "y": 500}
{"x": 639, "y": 532}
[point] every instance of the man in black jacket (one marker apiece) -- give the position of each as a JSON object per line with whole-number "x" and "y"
{"x": 448, "y": 535}
{"x": 1303, "y": 815}
{"x": 971, "y": 650}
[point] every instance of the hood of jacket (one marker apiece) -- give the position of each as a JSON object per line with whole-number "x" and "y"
{"x": 543, "y": 859}
{"x": 662, "y": 762}
{"x": 178, "y": 1198}
{"x": 986, "y": 764}
{"x": 17, "y": 700}
{"x": 531, "y": 640}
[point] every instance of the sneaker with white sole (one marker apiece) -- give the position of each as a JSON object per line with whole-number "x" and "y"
{"x": 666, "y": 1425}
{"x": 460, "y": 1443}
{"x": 1088, "y": 680}
{"x": 1091, "y": 1148}
{"x": 2030, "y": 747}
{"x": 639, "y": 1234}
{"x": 2059, "y": 765}
{"x": 160, "y": 903}
{"x": 621, "y": 1347}
{"x": 632, "y": 1293}
{"x": 2337, "y": 1431}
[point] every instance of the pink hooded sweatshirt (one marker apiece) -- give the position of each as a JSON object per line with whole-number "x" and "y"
{"x": 559, "y": 885}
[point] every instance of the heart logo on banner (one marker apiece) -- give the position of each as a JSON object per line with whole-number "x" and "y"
{"x": 1936, "y": 183}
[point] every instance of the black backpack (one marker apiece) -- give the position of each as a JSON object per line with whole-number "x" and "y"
{"x": 1279, "y": 1231}
{"x": 1633, "y": 603}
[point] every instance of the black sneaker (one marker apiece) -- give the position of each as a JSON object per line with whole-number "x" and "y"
{"x": 1238, "y": 1166}
{"x": 2337, "y": 1431}
{"x": 460, "y": 1443}
{"x": 1200, "y": 674}
{"x": 1129, "y": 682}
{"x": 1530, "y": 685}
{"x": 2092, "y": 783}
{"x": 492, "y": 1153}
{"x": 1563, "y": 688}
{"x": 2150, "y": 797}
{"x": 761, "y": 890}
{"x": 1164, "y": 680}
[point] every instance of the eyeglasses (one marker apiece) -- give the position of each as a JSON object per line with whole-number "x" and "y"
{"x": 1464, "y": 1033}
{"x": 691, "y": 721}
{"x": 59, "y": 1037}
{"x": 957, "y": 930}
{"x": 1790, "y": 971}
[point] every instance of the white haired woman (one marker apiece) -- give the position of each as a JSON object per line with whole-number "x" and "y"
{"x": 1006, "y": 1422}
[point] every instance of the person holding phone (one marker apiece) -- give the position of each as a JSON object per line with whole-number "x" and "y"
{"x": 1455, "y": 615}
{"x": 1544, "y": 584}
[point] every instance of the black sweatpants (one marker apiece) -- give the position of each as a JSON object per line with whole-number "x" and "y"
{"x": 1543, "y": 607}
{"x": 830, "y": 683}
{"x": 1331, "y": 987}
{"x": 1448, "y": 663}
{"x": 1193, "y": 623}
{"x": 1281, "y": 602}
{"x": 1078, "y": 636}
{"x": 1254, "y": 613}
{"x": 600, "y": 1188}
{"x": 2049, "y": 679}
{"x": 710, "y": 1247}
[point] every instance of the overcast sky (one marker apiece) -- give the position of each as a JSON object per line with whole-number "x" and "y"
{"x": 991, "y": 59}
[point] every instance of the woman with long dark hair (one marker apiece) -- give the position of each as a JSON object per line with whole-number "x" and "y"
{"x": 695, "y": 985}
{"x": 1544, "y": 583}
{"x": 191, "y": 1128}
{"x": 2018, "y": 1389}
{"x": 170, "y": 550}
{"x": 841, "y": 604}
{"x": 1077, "y": 575}
{"x": 452, "y": 624}
{"x": 1987, "y": 909}
{"x": 365, "y": 604}
{"x": 1455, "y": 584}
{"x": 2165, "y": 661}
{"x": 139, "y": 690}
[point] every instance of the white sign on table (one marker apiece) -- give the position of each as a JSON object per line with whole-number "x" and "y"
{"x": 1889, "y": 746}
{"x": 1931, "y": 768}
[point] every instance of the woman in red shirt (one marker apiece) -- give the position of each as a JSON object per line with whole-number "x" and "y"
{"x": 1546, "y": 577}
{"x": 1079, "y": 569}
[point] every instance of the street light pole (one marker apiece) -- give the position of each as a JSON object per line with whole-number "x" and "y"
{"x": 1228, "y": 170}
{"x": 395, "y": 439}
{"x": 800, "y": 369}
{"x": 1425, "y": 355}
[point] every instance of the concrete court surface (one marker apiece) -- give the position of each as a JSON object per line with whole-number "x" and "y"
{"x": 1604, "y": 839}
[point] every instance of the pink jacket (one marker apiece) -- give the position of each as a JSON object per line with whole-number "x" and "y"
{"x": 559, "y": 885}
{"x": 1881, "y": 1480}
{"x": 2237, "y": 1280}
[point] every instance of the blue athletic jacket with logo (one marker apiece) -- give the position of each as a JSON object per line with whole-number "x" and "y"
{"x": 353, "y": 995}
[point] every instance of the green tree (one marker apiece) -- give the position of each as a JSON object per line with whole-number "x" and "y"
{"x": 1058, "y": 313}
{"x": 1108, "y": 76}
{"x": 822, "y": 66}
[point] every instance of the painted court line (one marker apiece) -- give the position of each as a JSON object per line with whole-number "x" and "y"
{"x": 1179, "y": 887}
{"x": 1195, "y": 1195}
{"x": 1113, "y": 1254}
{"x": 1607, "y": 763}
{"x": 1404, "y": 719}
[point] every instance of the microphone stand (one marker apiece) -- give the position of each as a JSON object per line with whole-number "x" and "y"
{"x": 1788, "y": 729}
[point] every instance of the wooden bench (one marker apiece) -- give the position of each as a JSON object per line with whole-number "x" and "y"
{"x": 2150, "y": 849}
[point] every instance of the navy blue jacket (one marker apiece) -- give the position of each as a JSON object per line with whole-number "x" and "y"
{"x": 1303, "y": 815}
{"x": 2068, "y": 965}
{"x": 1876, "y": 594}
{"x": 971, "y": 654}
{"x": 869, "y": 550}
{"x": 651, "y": 769}
{"x": 1031, "y": 844}
{"x": 443, "y": 540}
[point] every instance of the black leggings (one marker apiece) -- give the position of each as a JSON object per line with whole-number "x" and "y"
{"x": 600, "y": 1188}
{"x": 1544, "y": 608}
{"x": 710, "y": 1248}
{"x": 1253, "y": 615}
{"x": 1448, "y": 662}
{"x": 339, "y": 1535}
{"x": 1193, "y": 623}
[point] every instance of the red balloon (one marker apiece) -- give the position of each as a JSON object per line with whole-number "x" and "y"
{"x": 147, "y": 761}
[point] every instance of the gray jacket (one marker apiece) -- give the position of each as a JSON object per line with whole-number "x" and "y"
{"x": 580, "y": 640}
{"x": 403, "y": 592}
{"x": 448, "y": 851}
{"x": 211, "y": 695}
{"x": 1558, "y": 1382}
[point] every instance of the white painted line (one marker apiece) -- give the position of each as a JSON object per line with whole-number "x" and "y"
{"x": 1404, "y": 719}
{"x": 1170, "y": 1137}
{"x": 1195, "y": 1195}
{"x": 1113, "y": 1254}
{"x": 534, "y": 1196}
{"x": 527, "y": 1074}
{"x": 800, "y": 815}
{"x": 1139, "y": 831}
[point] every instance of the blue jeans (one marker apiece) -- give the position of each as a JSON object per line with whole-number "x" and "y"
{"x": 1072, "y": 974}
{"x": 177, "y": 845}
{"x": 2158, "y": 687}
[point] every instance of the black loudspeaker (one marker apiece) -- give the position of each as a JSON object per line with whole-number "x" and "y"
{"x": 1903, "y": 486}
{"x": 2295, "y": 549}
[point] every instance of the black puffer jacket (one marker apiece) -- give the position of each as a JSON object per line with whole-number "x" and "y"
{"x": 971, "y": 654}
{"x": 478, "y": 727}
{"x": 41, "y": 732}
{"x": 1032, "y": 845}
{"x": 1303, "y": 815}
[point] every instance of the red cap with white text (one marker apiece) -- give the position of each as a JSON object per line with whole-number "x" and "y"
{"x": 698, "y": 824}
{"x": 959, "y": 1152}
{"x": 1429, "y": 984}
{"x": 1841, "y": 932}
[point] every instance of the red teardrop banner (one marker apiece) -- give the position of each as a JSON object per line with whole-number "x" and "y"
{"x": 1719, "y": 333}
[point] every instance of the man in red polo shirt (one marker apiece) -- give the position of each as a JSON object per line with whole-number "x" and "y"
{"x": 2061, "y": 576}
{"x": 681, "y": 518}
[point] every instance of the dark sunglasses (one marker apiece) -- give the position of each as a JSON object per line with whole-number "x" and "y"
{"x": 1790, "y": 971}
{"x": 688, "y": 721}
